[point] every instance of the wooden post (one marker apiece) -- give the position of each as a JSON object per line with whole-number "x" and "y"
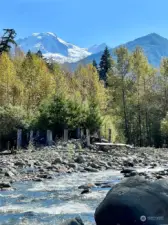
{"x": 37, "y": 133}
{"x": 78, "y": 133}
{"x": 8, "y": 145}
{"x": 88, "y": 137}
{"x": 109, "y": 138}
{"x": 19, "y": 138}
{"x": 49, "y": 137}
{"x": 27, "y": 137}
{"x": 31, "y": 136}
{"x": 82, "y": 133}
{"x": 99, "y": 135}
{"x": 105, "y": 132}
{"x": 66, "y": 135}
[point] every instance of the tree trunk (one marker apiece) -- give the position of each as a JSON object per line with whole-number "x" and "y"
{"x": 139, "y": 118}
{"x": 125, "y": 116}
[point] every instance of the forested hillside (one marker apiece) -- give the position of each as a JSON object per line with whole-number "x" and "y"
{"x": 126, "y": 95}
{"x": 155, "y": 47}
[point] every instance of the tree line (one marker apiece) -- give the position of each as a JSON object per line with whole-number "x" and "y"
{"x": 137, "y": 96}
{"x": 126, "y": 95}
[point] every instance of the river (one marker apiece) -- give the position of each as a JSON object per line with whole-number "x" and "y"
{"x": 53, "y": 201}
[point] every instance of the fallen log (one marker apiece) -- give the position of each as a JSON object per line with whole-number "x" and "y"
{"x": 101, "y": 144}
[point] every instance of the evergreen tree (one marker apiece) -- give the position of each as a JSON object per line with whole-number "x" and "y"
{"x": 29, "y": 55}
{"x": 39, "y": 54}
{"x": 7, "y": 39}
{"x": 94, "y": 63}
{"x": 105, "y": 64}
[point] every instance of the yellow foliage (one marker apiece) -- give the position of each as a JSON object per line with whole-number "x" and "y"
{"x": 7, "y": 79}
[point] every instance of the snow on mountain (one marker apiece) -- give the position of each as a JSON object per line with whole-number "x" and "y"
{"x": 97, "y": 48}
{"x": 53, "y": 47}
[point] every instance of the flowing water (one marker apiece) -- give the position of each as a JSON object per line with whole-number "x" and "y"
{"x": 53, "y": 201}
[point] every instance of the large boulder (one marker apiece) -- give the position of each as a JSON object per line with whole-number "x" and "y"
{"x": 75, "y": 221}
{"x": 135, "y": 201}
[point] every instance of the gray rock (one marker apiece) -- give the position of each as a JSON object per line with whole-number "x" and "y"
{"x": 46, "y": 164}
{"x": 78, "y": 145}
{"x": 110, "y": 164}
{"x": 75, "y": 221}
{"x": 162, "y": 172}
{"x": 5, "y": 185}
{"x": 37, "y": 163}
{"x": 73, "y": 165}
{"x": 90, "y": 169}
{"x": 9, "y": 174}
{"x": 37, "y": 179}
{"x": 44, "y": 176}
{"x": 57, "y": 160}
{"x": 85, "y": 186}
{"x": 131, "y": 174}
{"x": 159, "y": 176}
{"x": 127, "y": 163}
{"x": 128, "y": 170}
{"x": 86, "y": 191}
{"x": 101, "y": 163}
{"x": 80, "y": 159}
{"x": 153, "y": 165}
{"x": 20, "y": 163}
{"x": 95, "y": 165}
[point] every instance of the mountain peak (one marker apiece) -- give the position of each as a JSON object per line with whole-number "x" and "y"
{"x": 97, "y": 48}
{"x": 153, "y": 34}
{"x": 53, "y": 47}
{"x": 155, "y": 47}
{"x": 44, "y": 34}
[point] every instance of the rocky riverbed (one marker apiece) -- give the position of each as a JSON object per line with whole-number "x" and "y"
{"x": 47, "y": 162}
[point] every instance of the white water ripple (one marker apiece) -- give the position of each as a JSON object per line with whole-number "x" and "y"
{"x": 66, "y": 208}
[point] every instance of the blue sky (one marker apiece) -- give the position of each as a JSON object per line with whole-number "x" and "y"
{"x": 86, "y": 22}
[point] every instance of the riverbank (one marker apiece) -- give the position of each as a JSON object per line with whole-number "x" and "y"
{"x": 48, "y": 162}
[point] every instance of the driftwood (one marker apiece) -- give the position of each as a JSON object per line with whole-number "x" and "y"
{"x": 101, "y": 144}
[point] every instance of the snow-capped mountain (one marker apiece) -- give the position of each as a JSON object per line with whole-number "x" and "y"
{"x": 97, "y": 48}
{"x": 53, "y": 47}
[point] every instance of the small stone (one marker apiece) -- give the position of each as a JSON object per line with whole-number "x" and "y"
{"x": 5, "y": 185}
{"x": 73, "y": 165}
{"x": 46, "y": 164}
{"x": 37, "y": 179}
{"x": 19, "y": 163}
{"x": 57, "y": 160}
{"x": 128, "y": 170}
{"x": 9, "y": 174}
{"x": 95, "y": 165}
{"x": 85, "y": 191}
{"x": 76, "y": 221}
{"x": 80, "y": 159}
{"x": 90, "y": 169}
{"x": 44, "y": 176}
{"x": 128, "y": 164}
{"x": 86, "y": 186}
